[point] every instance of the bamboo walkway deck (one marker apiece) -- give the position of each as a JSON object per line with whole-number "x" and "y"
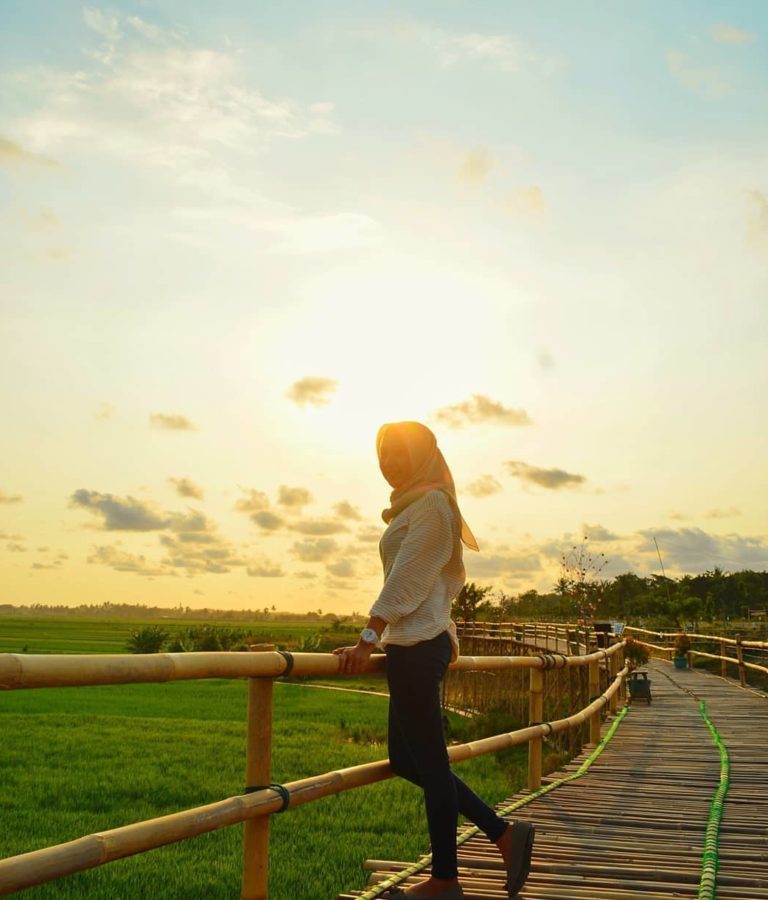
{"x": 633, "y": 826}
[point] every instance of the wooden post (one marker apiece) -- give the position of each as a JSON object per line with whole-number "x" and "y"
{"x": 612, "y": 671}
{"x": 258, "y": 771}
{"x": 594, "y": 691}
{"x": 723, "y": 663}
{"x": 535, "y": 714}
{"x": 619, "y": 667}
{"x": 740, "y": 657}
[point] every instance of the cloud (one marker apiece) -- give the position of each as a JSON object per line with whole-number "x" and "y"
{"x": 485, "y": 486}
{"x": 267, "y": 520}
{"x": 56, "y": 564}
{"x": 552, "y": 479}
{"x": 499, "y": 564}
{"x": 723, "y": 513}
{"x": 502, "y": 51}
{"x": 120, "y": 513}
{"x": 254, "y": 501}
{"x": 695, "y": 550}
{"x": 709, "y": 82}
{"x": 304, "y": 574}
{"x": 758, "y": 217}
{"x": 475, "y": 166}
{"x": 45, "y": 220}
{"x": 345, "y": 510}
{"x": 105, "y": 412}
{"x": 723, "y": 33}
{"x": 481, "y": 409}
{"x": 545, "y": 360}
{"x": 15, "y": 548}
{"x": 172, "y": 422}
{"x": 10, "y": 498}
{"x": 319, "y": 526}
{"x": 187, "y": 488}
{"x": 13, "y": 155}
{"x": 599, "y": 533}
{"x": 124, "y": 562}
{"x": 150, "y": 99}
{"x": 369, "y": 534}
{"x": 312, "y": 390}
{"x": 293, "y": 497}
{"x": 6, "y": 536}
{"x": 678, "y": 516}
{"x": 317, "y": 550}
{"x": 527, "y": 202}
{"x": 341, "y": 569}
{"x": 265, "y": 570}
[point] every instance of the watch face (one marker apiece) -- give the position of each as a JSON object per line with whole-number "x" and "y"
{"x": 369, "y": 635}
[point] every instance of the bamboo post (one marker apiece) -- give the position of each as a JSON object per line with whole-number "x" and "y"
{"x": 619, "y": 667}
{"x": 594, "y": 691}
{"x": 723, "y": 663}
{"x": 740, "y": 657}
{"x": 535, "y": 714}
{"x": 613, "y": 671}
{"x": 258, "y": 771}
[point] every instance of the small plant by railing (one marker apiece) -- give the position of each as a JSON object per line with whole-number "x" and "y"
{"x": 261, "y": 797}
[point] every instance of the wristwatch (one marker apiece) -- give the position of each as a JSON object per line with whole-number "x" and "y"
{"x": 369, "y": 636}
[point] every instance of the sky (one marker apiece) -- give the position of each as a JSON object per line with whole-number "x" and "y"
{"x": 238, "y": 237}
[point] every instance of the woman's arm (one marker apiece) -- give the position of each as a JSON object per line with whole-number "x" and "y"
{"x": 354, "y": 659}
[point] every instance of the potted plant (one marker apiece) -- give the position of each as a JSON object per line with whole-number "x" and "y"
{"x": 682, "y": 647}
{"x": 635, "y": 654}
{"x": 639, "y": 683}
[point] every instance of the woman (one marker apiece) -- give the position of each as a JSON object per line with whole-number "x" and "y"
{"x": 423, "y": 571}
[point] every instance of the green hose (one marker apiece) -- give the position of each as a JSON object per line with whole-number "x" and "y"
{"x": 710, "y": 860}
{"x": 472, "y": 830}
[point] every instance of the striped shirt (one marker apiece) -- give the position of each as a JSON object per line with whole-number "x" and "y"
{"x": 423, "y": 571}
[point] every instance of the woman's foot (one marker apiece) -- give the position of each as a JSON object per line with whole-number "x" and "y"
{"x": 516, "y": 847}
{"x": 448, "y": 889}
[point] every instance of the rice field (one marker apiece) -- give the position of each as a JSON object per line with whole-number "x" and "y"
{"x": 78, "y": 760}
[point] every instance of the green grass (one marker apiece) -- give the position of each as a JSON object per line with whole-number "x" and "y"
{"x": 78, "y": 760}
{"x": 72, "y": 634}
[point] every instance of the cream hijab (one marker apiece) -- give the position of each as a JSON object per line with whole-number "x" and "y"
{"x": 429, "y": 472}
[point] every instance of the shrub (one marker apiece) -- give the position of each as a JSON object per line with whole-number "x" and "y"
{"x": 147, "y": 640}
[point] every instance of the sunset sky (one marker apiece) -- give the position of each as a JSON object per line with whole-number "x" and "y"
{"x": 237, "y": 237}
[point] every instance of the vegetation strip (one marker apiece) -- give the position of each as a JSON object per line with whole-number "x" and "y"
{"x": 473, "y": 830}
{"x": 710, "y": 860}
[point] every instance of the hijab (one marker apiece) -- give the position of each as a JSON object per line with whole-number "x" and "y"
{"x": 428, "y": 472}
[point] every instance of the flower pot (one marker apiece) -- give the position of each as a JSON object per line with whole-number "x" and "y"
{"x": 681, "y": 662}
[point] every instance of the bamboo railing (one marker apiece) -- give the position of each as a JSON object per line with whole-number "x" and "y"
{"x": 667, "y": 650}
{"x": 255, "y": 806}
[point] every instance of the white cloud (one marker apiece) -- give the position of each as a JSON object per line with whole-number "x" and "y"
{"x": 723, "y": 33}
{"x": 502, "y": 51}
{"x": 706, "y": 80}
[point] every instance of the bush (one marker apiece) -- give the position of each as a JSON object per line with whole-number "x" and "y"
{"x": 635, "y": 653}
{"x": 682, "y": 644}
{"x": 147, "y": 640}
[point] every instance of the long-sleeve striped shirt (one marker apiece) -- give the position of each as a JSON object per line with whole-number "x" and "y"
{"x": 423, "y": 571}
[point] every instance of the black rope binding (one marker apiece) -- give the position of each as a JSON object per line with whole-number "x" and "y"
{"x": 278, "y": 788}
{"x": 547, "y": 724}
{"x": 288, "y": 657}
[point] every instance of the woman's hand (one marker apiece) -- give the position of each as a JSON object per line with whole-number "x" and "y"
{"x": 353, "y": 660}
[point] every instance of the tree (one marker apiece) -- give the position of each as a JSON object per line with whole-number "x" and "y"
{"x": 147, "y": 640}
{"x": 579, "y": 579}
{"x": 470, "y": 601}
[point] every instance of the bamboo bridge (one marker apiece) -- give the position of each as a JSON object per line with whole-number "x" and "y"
{"x": 634, "y": 826}
{"x": 663, "y": 799}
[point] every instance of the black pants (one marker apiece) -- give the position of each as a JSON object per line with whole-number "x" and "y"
{"x": 417, "y": 748}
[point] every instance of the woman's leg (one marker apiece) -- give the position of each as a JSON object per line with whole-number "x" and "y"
{"x": 417, "y": 745}
{"x": 417, "y": 748}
